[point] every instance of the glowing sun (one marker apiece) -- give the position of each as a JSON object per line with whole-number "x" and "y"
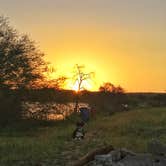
{"x": 86, "y": 85}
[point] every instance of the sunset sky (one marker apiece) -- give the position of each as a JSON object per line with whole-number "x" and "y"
{"x": 122, "y": 41}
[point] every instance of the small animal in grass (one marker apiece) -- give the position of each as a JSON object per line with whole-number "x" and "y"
{"x": 79, "y": 133}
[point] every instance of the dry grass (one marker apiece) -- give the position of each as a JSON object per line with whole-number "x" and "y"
{"x": 51, "y": 144}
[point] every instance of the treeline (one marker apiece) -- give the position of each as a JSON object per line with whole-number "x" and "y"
{"x": 11, "y": 100}
{"x": 106, "y": 101}
{"x": 11, "y": 110}
{"x": 133, "y": 99}
{"x": 147, "y": 99}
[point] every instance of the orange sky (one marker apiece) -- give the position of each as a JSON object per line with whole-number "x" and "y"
{"x": 123, "y": 42}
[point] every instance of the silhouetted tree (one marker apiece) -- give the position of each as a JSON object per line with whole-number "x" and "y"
{"x": 21, "y": 66}
{"x": 111, "y": 88}
{"x": 56, "y": 83}
{"x": 51, "y": 81}
{"x": 79, "y": 77}
{"x": 112, "y": 97}
{"x": 21, "y": 62}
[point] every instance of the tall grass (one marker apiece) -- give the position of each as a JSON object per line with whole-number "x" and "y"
{"x": 30, "y": 143}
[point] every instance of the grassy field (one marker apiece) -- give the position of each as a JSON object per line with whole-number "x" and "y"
{"x": 43, "y": 143}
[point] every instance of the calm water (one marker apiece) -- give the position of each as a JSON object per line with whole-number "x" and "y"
{"x": 50, "y": 110}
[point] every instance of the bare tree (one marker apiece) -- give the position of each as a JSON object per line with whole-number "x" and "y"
{"x": 79, "y": 77}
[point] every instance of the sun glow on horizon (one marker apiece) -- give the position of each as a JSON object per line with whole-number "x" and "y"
{"x": 124, "y": 45}
{"x": 86, "y": 85}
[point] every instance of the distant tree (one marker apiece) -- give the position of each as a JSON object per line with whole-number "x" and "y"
{"x": 111, "y": 88}
{"x": 112, "y": 97}
{"x": 119, "y": 89}
{"x": 79, "y": 77}
{"x": 21, "y": 62}
{"x": 107, "y": 87}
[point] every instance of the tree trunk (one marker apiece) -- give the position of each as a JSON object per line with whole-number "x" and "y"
{"x": 90, "y": 156}
{"x": 76, "y": 103}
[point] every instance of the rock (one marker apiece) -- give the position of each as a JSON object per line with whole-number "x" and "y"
{"x": 120, "y": 154}
{"x": 159, "y": 161}
{"x": 138, "y": 160}
{"x": 116, "y": 155}
{"x": 118, "y": 164}
{"x": 124, "y": 152}
{"x": 114, "y": 158}
{"x": 103, "y": 157}
{"x": 143, "y": 160}
{"x": 156, "y": 148}
{"x": 105, "y": 160}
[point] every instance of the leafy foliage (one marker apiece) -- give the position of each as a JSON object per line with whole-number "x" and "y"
{"x": 21, "y": 62}
{"x": 111, "y": 88}
{"x": 21, "y": 67}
